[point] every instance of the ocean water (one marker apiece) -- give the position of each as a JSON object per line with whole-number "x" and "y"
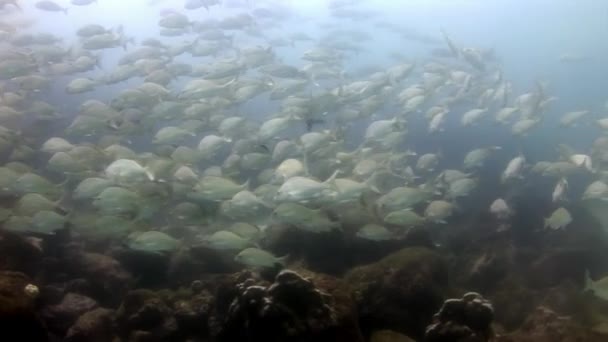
{"x": 352, "y": 69}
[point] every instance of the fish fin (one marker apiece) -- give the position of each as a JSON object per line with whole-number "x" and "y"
{"x": 149, "y": 174}
{"x": 305, "y": 163}
{"x": 588, "y": 282}
{"x": 370, "y": 206}
{"x": 370, "y": 182}
{"x": 331, "y": 178}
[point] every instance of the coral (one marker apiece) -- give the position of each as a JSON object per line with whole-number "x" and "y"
{"x": 400, "y": 292}
{"x": 466, "y": 320}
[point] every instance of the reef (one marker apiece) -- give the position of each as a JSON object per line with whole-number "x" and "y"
{"x": 67, "y": 291}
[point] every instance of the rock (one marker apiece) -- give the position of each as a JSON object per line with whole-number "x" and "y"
{"x": 19, "y": 253}
{"x": 337, "y": 251}
{"x": 192, "y": 315}
{"x": 327, "y": 252}
{"x": 150, "y": 269}
{"x": 61, "y": 316}
{"x": 17, "y": 310}
{"x": 71, "y": 269}
{"x": 388, "y": 336}
{"x": 197, "y": 286}
{"x": 567, "y": 299}
{"x": 544, "y": 325}
{"x": 553, "y": 267}
{"x": 515, "y": 301}
{"x": 462, "y": 320}
{"x": 190, "y": 264}
{"x": 344, "y": 305}
{"x": 400, "y": 292}
{"x": 292, "y": 308}
{"x": 145, "y": 313}
{"x": 92, "y": 326}
{"x": 489, "y": 267}
{"x": 109, "y": 281}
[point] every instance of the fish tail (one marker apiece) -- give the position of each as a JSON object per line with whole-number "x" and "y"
{"x": 283, "y": 260}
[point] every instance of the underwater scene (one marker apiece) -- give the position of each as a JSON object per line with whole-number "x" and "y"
{"x": 303, "y": 170}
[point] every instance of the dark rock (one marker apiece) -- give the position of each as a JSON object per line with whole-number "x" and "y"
{"x": 344, "y": 305}
{"x": 142, "y": 310}
{"x": 489, "y": 268}
{"x": 60, "y": 317}
{"x": 79, "y": 285}
{"x": 462, "y": 320}
{"x": 567, "y": 299}
{"x": 188, "y": 265}
{"x": 109, "y": 280}
{"x": 544, "y": 325}
{"x": 400, "y": 292}
{"x": 226, "y": 290}
{"x": 515, "y": 301}
{"x": 19, "y": 253}
{"x": 388, "y": 336}
{"x": 327, "y": 252}
{"x": 52, "y": 294}
{"x": 337, "y": 251}
{"x": 290, "y": 309}
{"x": 144, "y": 313}
{"x": 17, "y": 310}
{"x": 553, "y": 267}
{"x": 142, "y": 336}
{"x": 93, "y": 274}
{"x": 196, "y": 286}
{"x": 192, "y": 315}
{"x": 92, "y": 326}
{"x": 150, "y": 269}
